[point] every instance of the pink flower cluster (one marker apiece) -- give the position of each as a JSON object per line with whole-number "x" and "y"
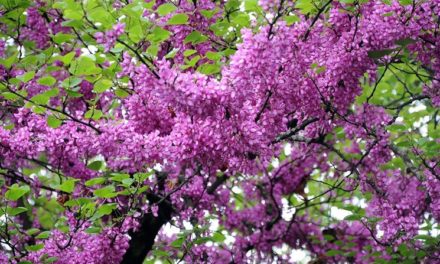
{"x": 109, "y": 38}
{"x": 301, "y": 79}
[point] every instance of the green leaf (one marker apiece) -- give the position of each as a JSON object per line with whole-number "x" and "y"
{"x": 192, "y": 62}
{"x": 178, "y": 242}
{"x": 9, "y": 61}
{"x": 165, "y": 9}
{"x": 43, "y": 98}
{"x": 377, "y": 54}
{"x": 136, "y": 8}
{"x": 159, "y": 34}
{"x": 405, "y": 42}
{"x": 71, "y": 82}
{"x": 214, "y": 56}
{"x": 397, "y": 128}
{"x": 142, "y": 189}
{"x": 141, "y": 177}
{"x": 106, "y": 192}
{"x": 102, "y": 85}
{"x": 406, "y": 2}
{"x": 66, "y": 59}
{"x": 189, "y": 52}
{"x": 68, "y": 186}
{"x": 333, "y": 252}
{"x": 218, "y": 237}
{"x": 84, "y": 66}
{"x": 423, "y": 237}
{"x": 127, "y": 182}
{"x": 26, "y": 76}
{"x": 53, "y": 122}
{"x": 43, "y": 235}
{"x": 101, "y": 15}
{"x": 305, "y": 6}
{"x": 135, "y": 30}
{"x": 291, "y": 19}
{"x": 74, "y": 14}
{"x": 404, "y": 144}
{"x": 15, "y": 192}
{"x": 242, "y": 19}
{"x": 61, "y": 38}
{"x": 119, "y": 177}
{"x": 93, "y": 230}
{"x": 95, "y": 165}
{"x": 220, "y": 28}
{"x": 160, "y": 253}
{"x": 32, "y": 231}
{"x": 209, "y": 69}
{"x": 73, "y": 94}
{"x": 50, "y": 260}
{"x": 403, "y": 249}
{"x": 201, "y": 240}
{"x": 106, "y": 209}
{"x": 13, "y": 211}
{"x": 35, "y": 247}
{"x": 209, "y": 13}
{"x": 252, "y": 5}
{"x": 172, "y": 54}
{"x": 94, "y": 114}
{"x": 195, "y": 38}
{"x": 10, "y": 96}
{"x": 95, "y": 181}
{"x": 178, "y": 19}
{"x": 233, "y": 4}
{"x": 52, "y": 92}
{"x": 47, "y": 80}
{"x": 121, "y": 93}
{"x": 153, "y": 50}
{"x": 353, "y": 217}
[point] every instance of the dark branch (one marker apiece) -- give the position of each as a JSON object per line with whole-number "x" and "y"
{"x": 219, "y": 181}
{"x": 315, "y": 19}
{"x": 142, "y": 240}
{"x": 294, "y": 131}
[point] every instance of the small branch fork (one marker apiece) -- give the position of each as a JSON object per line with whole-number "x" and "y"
{"x": 315, "y": 19}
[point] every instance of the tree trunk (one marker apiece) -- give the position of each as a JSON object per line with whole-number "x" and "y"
{"x": 142, "y": 240}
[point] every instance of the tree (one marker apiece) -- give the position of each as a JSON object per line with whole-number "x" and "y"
{"x": 211, "y": 131}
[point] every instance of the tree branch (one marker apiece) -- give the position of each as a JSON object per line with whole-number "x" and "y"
{"x": 142, "y": 240}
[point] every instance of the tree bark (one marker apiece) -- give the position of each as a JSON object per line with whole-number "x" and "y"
{"x": 142, "y": 240}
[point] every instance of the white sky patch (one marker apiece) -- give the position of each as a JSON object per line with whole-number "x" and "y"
{"x": 22, "y": 51}
{"x": 158, "y": 167}
{"x": 359, "y": 202}
{"x": 297, "y": 255}
{"x": 170, "y": 229}
{"x": 236, "y": 189}
{"x": 90, "y": 50}
{"x": 422, "y": 125}
{"x": 301, "y": 256}
{"x": 380, "y": 232}
{"x": 417, "y": 108}
{"x": 287, "y": 211}
{"x": 275, "y": 163}
{"x": 230, "y": 239}
{"x": 288, "y": 149}
{"x": 434, "y": 231}
{"x": 338, "y": 213}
